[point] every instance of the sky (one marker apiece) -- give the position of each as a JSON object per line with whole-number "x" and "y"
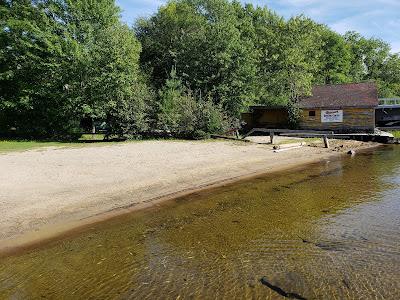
{"x": 371, "y": 18}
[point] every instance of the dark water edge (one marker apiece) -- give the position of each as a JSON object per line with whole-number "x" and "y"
{"x": 327, "y": 231}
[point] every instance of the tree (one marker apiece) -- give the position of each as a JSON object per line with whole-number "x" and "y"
{"x": 183, "y": 114}
{"x": 372, "y": 60}
{"x": 202, "y": 39}
{"x": 171, "y": 96}
{"x": 389, "y": 79}
{"x": 31, "y": 75}
{"x": 65, "y": 61}
{"x": 335, "y": 58}
{"x": 264, "y": 28}
{"x": 290, "y": 54}
{"x": 68, "y": 62}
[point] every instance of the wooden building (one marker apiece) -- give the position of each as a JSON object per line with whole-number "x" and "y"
{"x": 340, "y": 107}
{"x": 264, "y": 116}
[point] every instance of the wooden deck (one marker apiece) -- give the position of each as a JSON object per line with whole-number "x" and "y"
{"x": 381, "y": 137}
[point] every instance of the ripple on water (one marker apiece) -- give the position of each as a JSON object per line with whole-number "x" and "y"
{"x": 328, "y": 231}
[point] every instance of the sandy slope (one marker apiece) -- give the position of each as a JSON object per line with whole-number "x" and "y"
{"x": 51, "y": 186}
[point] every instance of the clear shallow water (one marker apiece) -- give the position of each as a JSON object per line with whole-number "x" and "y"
{"x": 327, "y": 231}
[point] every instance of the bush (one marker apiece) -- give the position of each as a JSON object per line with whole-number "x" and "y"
{"x": 211, "y": 118}
{"x": 293, "y": 114}
{"x": 182, "y": 115}
{"x": 200, "y": 135}
{"x": 129, "y": 117}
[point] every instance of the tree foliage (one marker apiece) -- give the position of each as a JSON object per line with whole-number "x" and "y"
{"x": 241, "y": 54}
{"x": 184, "y": 114}
{"x": 202, "y": 39}
{"x": 64, "y": 61}
{"x": 65, "y": 64}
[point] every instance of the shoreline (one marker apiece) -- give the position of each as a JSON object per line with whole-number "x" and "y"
{"x": 60, "y": 229}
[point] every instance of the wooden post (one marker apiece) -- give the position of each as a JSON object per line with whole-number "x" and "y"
{"x": 271, "y": 135}
{"x": 326, "y": 141}
{"x": 93, "y": 130}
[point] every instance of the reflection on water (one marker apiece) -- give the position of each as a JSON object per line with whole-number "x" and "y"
{"x": 328, "y": 231}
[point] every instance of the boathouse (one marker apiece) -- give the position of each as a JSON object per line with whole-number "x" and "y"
{"x": 340, "y": 108}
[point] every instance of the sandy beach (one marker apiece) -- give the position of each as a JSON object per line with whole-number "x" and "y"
{"x": 49, "y": 187}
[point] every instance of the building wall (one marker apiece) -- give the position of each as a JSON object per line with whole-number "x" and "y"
{"x": 270, "y": 118}
{"x": 354, "y": 119}
{"x": 247, "y": 118}
{"x": 265, "y": 118}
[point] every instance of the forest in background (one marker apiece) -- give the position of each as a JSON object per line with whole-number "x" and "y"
{"x": 187, "y": 71}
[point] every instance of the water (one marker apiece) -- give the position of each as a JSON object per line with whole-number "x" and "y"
{"x": 327, "y": 231}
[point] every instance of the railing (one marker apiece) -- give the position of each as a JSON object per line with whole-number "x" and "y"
{"x": 389, "y": 102}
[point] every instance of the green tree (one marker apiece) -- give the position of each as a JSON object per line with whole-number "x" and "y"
{"x": 335, "y": 59}
{"x": 372, "y": 60}
{"x": 68, "y": 60}
{"x": 183, "y": 114}
{"x": 31, "y": 69}
{"x": 171, "y": 96}
{"x": 202, "y": 38}
{"x": 389, "y": 79}
{"x": 64, "y": 61}
{"x": 289, "y": 61}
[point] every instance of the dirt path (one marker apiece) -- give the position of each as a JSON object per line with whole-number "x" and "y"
{"x": 49, "y": 187}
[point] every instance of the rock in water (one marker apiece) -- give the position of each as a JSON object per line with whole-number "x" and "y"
{"x": 351, "y": 152}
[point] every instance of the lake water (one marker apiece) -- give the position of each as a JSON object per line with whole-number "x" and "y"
{"x": 326, "y": 231}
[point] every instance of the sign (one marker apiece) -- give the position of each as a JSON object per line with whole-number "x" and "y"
{"x": 332, "y": 116}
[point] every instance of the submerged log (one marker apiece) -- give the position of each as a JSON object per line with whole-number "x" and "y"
{"x": 280, "y": 291}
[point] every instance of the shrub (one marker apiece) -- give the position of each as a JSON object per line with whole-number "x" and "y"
{"x": 182, "y": 115}
{"x": 293, "y": 115}
{"x": 128, "y": 116}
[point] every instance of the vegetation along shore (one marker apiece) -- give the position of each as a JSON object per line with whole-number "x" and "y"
{"x": 186, "y": 71}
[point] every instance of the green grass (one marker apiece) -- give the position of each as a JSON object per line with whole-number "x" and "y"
{"x": 84, "y": 141}
{"x": 92, "y": 137}
{"x": 396, "y": 134}
{"x": 11, "y": 145}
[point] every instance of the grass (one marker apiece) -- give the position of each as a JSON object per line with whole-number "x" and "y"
{"x": 289, "y": 141}
{"x": 299, "y": 140}
{"x": 17, "y": 145}
{"x": 84, "y": 141}
{"x": 396, "y": 134}
{"x": 24, "y": 145}
{"x": 314, "y": 139}
{"x": 92, "y": 137}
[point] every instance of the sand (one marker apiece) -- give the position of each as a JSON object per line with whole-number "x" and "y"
{"x": 49, "y": 187}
